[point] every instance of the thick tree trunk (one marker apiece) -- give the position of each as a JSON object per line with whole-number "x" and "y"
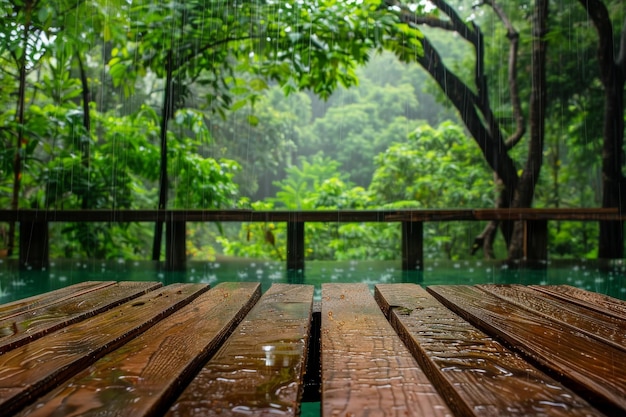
{"x": 612, "y": 74}
{"x": 530, "y": 175}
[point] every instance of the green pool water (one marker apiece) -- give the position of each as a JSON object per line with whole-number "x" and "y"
{"x": 16, "y": 284}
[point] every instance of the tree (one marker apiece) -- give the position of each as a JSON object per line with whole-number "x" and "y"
{"x": 472, "y": 100}
{"x": 434, "y": 168}
{"x": 612, "y": 63}
{"x": 303, "y": 45}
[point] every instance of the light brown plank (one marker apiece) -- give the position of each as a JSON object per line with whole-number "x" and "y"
{"x": 591, "y": 300}
{"x": 607, "y": 329}
{"x": 595, "y": 370}
{"x": 33, "y": 324}
{"x": 366, "y": 369}
{"x": 30, "y": 370}
{"x": 476, "y": 374}
{"x": 37, "y": 301}
{"x": 259, "y": 369}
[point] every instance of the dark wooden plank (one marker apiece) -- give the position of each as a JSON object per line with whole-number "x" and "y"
{"x": 200, "y": 215}
{"x": 475, "y": 373}
{"x": 595, "y": 370}
{"x": 143, "y": 376}
{"x": 34, "y": 245}
{"x": 32, "y": 324}
{"x": 592, "y": 300}
{"x": 30, "y": 370}
{"x": 366, "y": 369}
{"x": 295, "y": 246}
{"x": 259, "y": 369}
{"x": 606, "y": 329}
{"x": 37, "y": 301}
{"x": 570, "y": 214}
{"x": 412, "y": 246}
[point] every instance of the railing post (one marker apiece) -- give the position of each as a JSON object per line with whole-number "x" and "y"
{"x": 536, "y": 240}
{"x": 412, "y": 246}
{"x": 175, "y": 245}
{"x": 295, "y": 245}
{"x": 34, "y": 244}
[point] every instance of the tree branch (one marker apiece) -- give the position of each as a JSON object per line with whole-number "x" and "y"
{"x": 621, "y": 56}
{"x": 468, "y": 33}
{"x": 598, "y": 13}
{"x": 513, "y": 36}
{"x": 429, "y": 21}
{"x": 466, "y": 102}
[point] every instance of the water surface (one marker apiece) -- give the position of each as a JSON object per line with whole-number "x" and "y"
{"x": 590, "y": 275}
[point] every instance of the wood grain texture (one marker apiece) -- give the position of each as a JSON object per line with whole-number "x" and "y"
{"x": 41, "y": 300}
{"x": 143, "y": 376}
{"x": 475, "y": 373}
{"x": 30, "y": 370}
{"x": 591, "y": 300}
{"x": 32, "y": 324}
{"x": 595, "y": 370}
{"x": 239, "y": 215}
{"x": 606, "y": 329}
{"x": 366, "y": 369}
{"x": 259, "y": 369}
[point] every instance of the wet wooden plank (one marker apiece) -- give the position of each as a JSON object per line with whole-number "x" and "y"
{"x": 143, "y": 376}
{"x": 259, "y": 369}
{"x": 595, "y": 370}
{"x": 591, "y": 300}
{"x": 37, "y": 301}
{"x": 30, "y": 325}
{"x": 366, "y": 369}
{"x": 606, "y": 329}
{"x": 475, "y": 373}
{"x": 30, "y": 370}
{"x": 245, "y": 215}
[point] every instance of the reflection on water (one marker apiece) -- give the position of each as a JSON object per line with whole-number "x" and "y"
{"x": 16, "y": 284}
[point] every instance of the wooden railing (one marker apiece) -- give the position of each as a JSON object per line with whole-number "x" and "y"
{"x": 34, "y": 240}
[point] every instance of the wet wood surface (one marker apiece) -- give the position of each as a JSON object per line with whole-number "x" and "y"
{"x": 596, "y": 370}
{"x": 32, "y": 324}
{"x": 30, "y": 370}
{"x": 388, "y": 350}
{"x": 591, "y": 300}
{"x": 475, "y": 373}
{"x": 606, "y": 329}
{"x": 366, "y": 369}
{"x": 37, "y": 301}
{"x": 244, "y": 215}
{"x": 259, "y": 370}
{"x": 143, "y": 376}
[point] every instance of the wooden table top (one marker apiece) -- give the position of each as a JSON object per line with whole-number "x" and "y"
{"x": 138, "y": 348}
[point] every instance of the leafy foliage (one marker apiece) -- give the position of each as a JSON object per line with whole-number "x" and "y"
{"x": 292, "y": 105}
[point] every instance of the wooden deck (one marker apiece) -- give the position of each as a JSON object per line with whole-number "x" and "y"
{"x": 137, "y": 348}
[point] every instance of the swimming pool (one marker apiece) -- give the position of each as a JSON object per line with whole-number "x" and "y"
{"x": 607, "y": 279}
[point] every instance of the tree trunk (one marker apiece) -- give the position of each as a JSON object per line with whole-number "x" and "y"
{"x": 21, "y": 104}
{"x": 530, "y": 175}
{"x": 84, "y": 142}
{"x": 612, "y": 74}
{"x": 166, "y": 115}
{"x": 474, "y": 107}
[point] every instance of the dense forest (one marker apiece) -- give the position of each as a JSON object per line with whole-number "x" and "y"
{"x": 313, "y": 105}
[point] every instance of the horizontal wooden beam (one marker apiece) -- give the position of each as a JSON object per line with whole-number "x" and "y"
{"x": 34, "y": 225}
{"x": 337, "y": 216}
